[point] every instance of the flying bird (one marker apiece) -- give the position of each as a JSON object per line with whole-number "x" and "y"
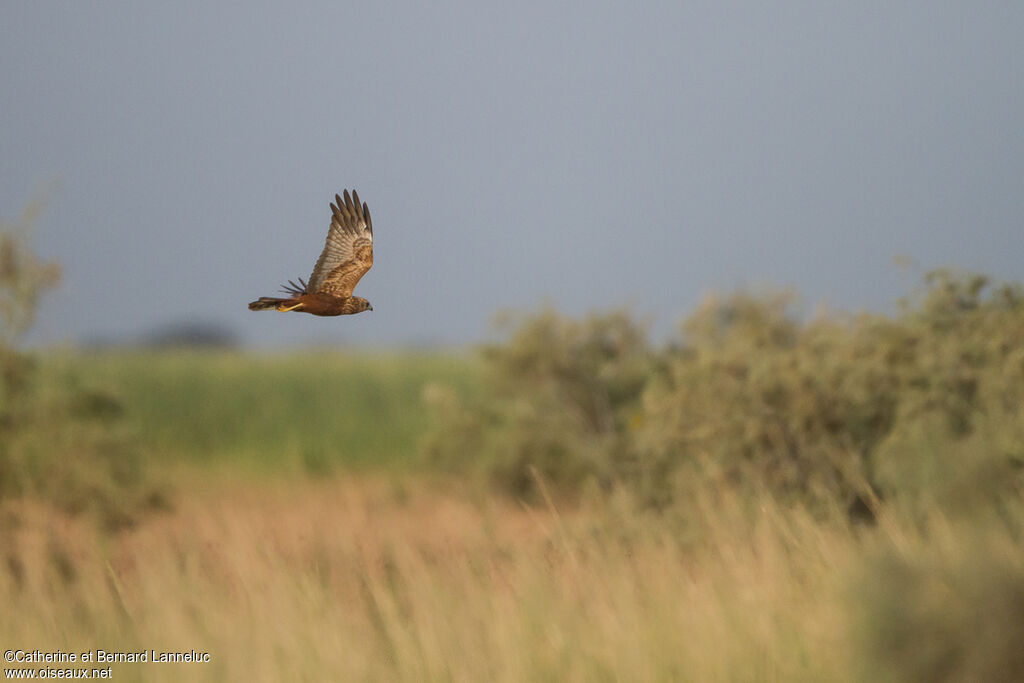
{"x": 347, "y": 255}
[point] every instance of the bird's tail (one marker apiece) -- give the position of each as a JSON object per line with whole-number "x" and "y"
{"x": 267, "y": 303}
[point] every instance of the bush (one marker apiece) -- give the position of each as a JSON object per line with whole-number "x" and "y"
{"x": 834, "y": 412}
{"x": 59, "y": 442}
{"x": 947, "y": 609}
{"x": 555, "y": 402}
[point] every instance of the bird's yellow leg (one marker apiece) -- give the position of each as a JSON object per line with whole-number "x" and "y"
{"x": 283, "y": 309}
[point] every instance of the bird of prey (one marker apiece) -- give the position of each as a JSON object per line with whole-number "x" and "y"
{"x": 347, "y": 255}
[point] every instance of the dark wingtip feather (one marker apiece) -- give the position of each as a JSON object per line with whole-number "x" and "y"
{"x": 336, "y": 212}
{"x": 349, "y": 210}
{"x": 293, "y": 289}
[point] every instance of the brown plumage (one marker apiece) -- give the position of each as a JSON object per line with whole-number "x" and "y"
{"x": 347, "y": 255}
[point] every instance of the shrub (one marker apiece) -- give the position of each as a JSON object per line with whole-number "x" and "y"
{"x": 849, "y": 409}
{"x": 59, "y": 442}
{"x": 555, "y": 401}
{"x": 949, "y": 608}
{"x": 834, "y": 412}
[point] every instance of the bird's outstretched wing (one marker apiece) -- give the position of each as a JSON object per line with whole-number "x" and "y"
{"x": 348, "y": 252}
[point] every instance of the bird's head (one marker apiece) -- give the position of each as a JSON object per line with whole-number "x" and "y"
{"x": 360, "y": 304}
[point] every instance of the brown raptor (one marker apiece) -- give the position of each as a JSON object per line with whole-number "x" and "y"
{"x": 347, "y": 255}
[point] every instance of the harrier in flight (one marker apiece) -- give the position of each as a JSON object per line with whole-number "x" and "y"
{"x": 347, "y": 255}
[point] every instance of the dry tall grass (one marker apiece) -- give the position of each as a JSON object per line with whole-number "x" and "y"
{"x": 374, "y": 580}
{"x": 368, "y": 580}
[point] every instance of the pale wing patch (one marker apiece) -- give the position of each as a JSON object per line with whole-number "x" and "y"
{"x": 342, "y": 280}
{"x": 348, "y": 251}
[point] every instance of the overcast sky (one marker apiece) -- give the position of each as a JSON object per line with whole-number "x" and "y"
{"x": 588, "y": 155}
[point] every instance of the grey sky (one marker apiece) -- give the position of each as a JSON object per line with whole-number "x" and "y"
{"x": 584, "y": 154}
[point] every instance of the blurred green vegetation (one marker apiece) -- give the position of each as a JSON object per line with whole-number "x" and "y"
{"x": 944, "y": 606}
{"x": 306, "y": 410}
{"x": 556, "y": 401}
{"x": 835, "y": 412}
{"x": 59, "y": 442}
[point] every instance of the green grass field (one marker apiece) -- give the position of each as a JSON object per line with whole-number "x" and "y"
{"x": 311, "y": 410}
